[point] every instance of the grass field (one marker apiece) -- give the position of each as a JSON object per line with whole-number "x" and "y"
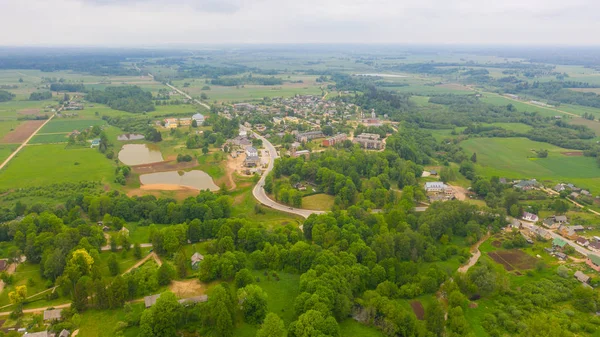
{"x": 57, "y": 125}
{"x": 352, "y": 328}
{"x": 49, "y": 138}
{"x": 499, "y": 100}
{"x": 320, "y": 202}
{"x": 96, "y": 323}
{"x": 509, "y": 157}
{"x": 6, "y": 150}
{"x": 38, "y": 165}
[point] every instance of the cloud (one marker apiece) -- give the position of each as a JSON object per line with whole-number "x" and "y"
{"x": 156, "y": 22}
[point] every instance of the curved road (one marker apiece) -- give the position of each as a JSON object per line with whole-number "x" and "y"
{"x": 259, "y": 191}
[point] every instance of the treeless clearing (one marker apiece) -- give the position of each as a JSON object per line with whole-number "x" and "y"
{"x": 417, "y": 308}
{"x": 22, "y": 132}
{"x": 573, "y": 153}
{"x": 513, "y": 259}
{"x": 233, "y": 164}
{"x": 594, "y": 90}
{"x": 176, "y": 194}
{"x": 186, "y": 289}
{"x": 459, "y": 192}
{"x": 29, "y": 111}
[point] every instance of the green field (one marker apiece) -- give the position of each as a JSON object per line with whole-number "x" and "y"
{"x": 320, "y": 202}
{"x": 49, "y": 138}
{"x": 96, "y": 323}
{"x": 38, "y": 165}
{"x": 58, "y": 125}
{"x": 514, "y": 158}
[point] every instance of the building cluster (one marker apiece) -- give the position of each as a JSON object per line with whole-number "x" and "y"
{"x": 173, "y": 123}
{"x": 574, "y": 191}
{"x": 438, "y": 191}
{"x": 337, "y": 139}
{"x": 369, "y": 141}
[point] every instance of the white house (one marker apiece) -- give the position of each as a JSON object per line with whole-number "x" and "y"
{"x": 435, "y": 186}
{"x": 251, "y": 152}
{"x": 529, "y": 217}
{"x": 199, "y": 118}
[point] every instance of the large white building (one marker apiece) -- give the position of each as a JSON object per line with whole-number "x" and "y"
{"x": 199, "y": 118}
{"x": 435, "y": 186}
{"x": 251, "y": 152}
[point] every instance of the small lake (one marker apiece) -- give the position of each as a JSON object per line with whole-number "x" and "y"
{"x": 381, "y": 75}
{"x": 138, "y": 154}
{"x": 195, "y": 179}
{"x": 130, "y": 136}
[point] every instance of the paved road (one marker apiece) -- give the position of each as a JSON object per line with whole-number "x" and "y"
{"x": 12, "y": 155}
{"x": 577, "y": 247}
{"x": 259, "y": 191}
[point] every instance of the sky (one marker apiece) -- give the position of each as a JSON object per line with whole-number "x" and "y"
{"x": 179, "y": 22}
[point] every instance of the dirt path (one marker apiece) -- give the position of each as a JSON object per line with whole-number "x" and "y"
{"x": 232, "y": 165}
{"x": 476, "y": 255}
{"x": 459, "y": 192}
{"x": 141, "y": 262}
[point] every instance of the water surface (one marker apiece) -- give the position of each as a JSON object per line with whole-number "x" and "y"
{"x": 195, "y": 179}
{"x": 138, "y": 154}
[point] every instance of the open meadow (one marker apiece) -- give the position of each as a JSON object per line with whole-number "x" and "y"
{"x": 515, "y": 158}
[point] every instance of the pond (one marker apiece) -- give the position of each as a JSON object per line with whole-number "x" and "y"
{"x": 138, "y": 154}
{"x": 382, "y": 75}
{"x": 130, "y": 136}
{"x": 194, "y": 179}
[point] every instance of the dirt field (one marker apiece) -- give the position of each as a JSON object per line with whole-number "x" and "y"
{"x": 164, "y": 166}
{"x": 417, "y": 308}
{"x": 22, "y": 132}
{"x": 29, "y": 111}
{"x": 513, "y": 259}
{"x": 573, "y": 153}
{"x": 459, "y": 192}
{"x": 185, "y": 289}
{"x": 233, "y": 164}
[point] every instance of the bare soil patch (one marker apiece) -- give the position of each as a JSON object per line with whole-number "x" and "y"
{"x": 573, "y": 153}
{"x": 473, "y": 305}
{"x": 186, "y": 289}
{"x": 418, "y": 309}
{"x": 22, "y": 132}
{"x": 164, "y": 166}
{"x": 513, "y": 259}
{"x": 29, "y": 111}
{"x": 460, "y": 192}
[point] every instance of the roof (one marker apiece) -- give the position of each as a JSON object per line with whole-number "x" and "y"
{"x": 559, "y": 242}
{"x": 198, "y": 116}
{"x": 434, "y": 184}
{"x": 581, "y": 239}
{"x": 251, "y": 149}
{"x": 577, "y": 228}
{"x": 197, "y": 257}
{"x": 52, "y": 314}
{"x": 195, "y": 299}
{"x": 64, "y": 333}
{"x": 150, "y": 300}
{"x": 561, "y": 255}
{"x": 560, "y": 218}
{"x": 594, "y": 258}
{"x": 581, "y": 276}
{"x": 38, "y": 334}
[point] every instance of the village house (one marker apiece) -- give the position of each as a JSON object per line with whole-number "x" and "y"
{"x": 124, "y": 231}
{"x": 38, "y": 334}
{"x": 251, "y": 161}
{"x": 185, "y": 121}
{"x": 251, "y": 152}
{"x": 559, "y": 243}
{"x": 561, "y": 256}
{"x": 171, "y": 123}
{"x": 581, "y": 277}
{"x": 526, "y": 185}
{"x": 52, "y": 314}
{"x": 569, "y": 232}
{"x": 593, "y": 261}
{"x": 434, "y": 187}
{"x": 196, "y": 259}
{"x": 150, "y": 300}
{"x": 199, "y": 118}
{"x": 331, "y": 141}
{"x": 369, "y": 141}
{"x": 582, "y": 241}
{"x": 594, "y": 246}
{"x": 64, "y": 333}
{"x": 529, "y": 217}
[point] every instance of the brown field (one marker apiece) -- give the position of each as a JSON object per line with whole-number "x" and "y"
{"x": 22, "y": 132}
{"x": 29, "y": 111}
{"x": 513, "y": 259}
{"x": 594, "y": 125}
{"x": 454, "y": 86}
{"x": 185, "y": 289}
{"x": 573, "y": 153}
{"x": 417, "y": 308}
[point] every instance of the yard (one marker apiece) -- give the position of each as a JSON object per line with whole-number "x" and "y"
{"x": 38, "y": 165}
{"x": 319, "y": 202}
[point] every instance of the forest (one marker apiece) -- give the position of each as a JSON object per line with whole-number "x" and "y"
{"x": 125, "y": 98}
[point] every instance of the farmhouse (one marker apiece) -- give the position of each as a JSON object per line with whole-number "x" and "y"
{"x": 434, "y": 187}
{"x": 199, "y": 118}
{"x": 95, "y": 142}
{"x": 561, "y": 256}
{"x": 196, "y": 259}
{"x": 150, "y": 300}
{"x": 593, "y": 261}
{"x": 594, "y": 245}
{"x": 171, "y": 123}
{"x": 581, "y": 277}
{"x": 582, "y": 241}
{"x": 331, "y": 141}
{"x": 52, "y": 314}
{"x": 559, "y": 243}
{"x": 251, "y": 161}
{"x": 526, "y": 185}
{"x": 369, "y": 141}
{"x": 529, "y": 217}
